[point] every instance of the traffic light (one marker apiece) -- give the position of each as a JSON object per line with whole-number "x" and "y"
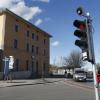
{"x": 84, "y": 37}
{"x": 81, "y": 33}
{"x": 84, "y": 33}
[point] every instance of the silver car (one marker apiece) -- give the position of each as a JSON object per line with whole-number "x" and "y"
{"x": 79, "y": 75}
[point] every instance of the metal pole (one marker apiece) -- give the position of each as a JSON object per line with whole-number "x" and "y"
{"x": 92, "y": 57}
{"x": 96, "y": 86}
{"x": 91, "y": 54}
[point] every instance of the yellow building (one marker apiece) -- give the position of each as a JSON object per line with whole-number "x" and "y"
{"x": 27, "y": 43}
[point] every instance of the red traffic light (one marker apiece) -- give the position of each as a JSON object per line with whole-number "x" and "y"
{"x": 81, "y": 33}
{"x": 81, "y": 27}
{"x": 79, "y": 24}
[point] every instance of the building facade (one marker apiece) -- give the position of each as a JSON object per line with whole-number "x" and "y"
{"x": 28, "y": 44}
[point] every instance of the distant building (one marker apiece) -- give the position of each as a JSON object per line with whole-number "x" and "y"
{"x": 29, "y": 45}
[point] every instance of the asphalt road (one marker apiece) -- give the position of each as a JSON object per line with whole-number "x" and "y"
{"x": 62, "y": 90}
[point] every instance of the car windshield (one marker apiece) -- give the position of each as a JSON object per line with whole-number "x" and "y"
{"x": 79, "y": 72}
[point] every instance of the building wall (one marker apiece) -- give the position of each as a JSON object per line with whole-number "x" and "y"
{"x": 40, "y": 60}
{"x": 2, "y": 31}
{"x": 2, "y": 18}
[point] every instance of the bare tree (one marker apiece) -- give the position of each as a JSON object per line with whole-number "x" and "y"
{"x": 74, "y": 60}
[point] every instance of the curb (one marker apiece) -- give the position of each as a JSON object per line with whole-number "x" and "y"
{"x": 15, "y": 85}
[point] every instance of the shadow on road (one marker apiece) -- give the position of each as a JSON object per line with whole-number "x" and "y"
{"x": 16, "y": 82}
{"x": 56, "y": 76}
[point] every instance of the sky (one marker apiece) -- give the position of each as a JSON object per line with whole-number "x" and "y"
{"x": 56, "y": 18}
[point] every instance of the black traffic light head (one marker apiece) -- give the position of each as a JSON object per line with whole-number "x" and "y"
{"x": 81, "y": 33}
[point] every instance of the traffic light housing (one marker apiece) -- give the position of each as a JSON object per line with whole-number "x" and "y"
{"x": 82, "y": 33}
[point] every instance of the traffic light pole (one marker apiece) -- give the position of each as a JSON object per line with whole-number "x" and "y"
{"x": 96, "y": 86}
{"x": 92, "y": 58}
{"x": 91, "y": 55}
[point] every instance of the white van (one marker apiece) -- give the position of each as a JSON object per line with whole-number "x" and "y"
{"x": 79, "y": 75}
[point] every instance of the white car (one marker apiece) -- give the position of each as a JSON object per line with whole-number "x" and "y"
{"x": 79, "y": 75}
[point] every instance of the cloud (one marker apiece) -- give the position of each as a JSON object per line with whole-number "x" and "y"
{"x": 38, "y": 22}
{"x": 55, "y": 43}
{"x": 19, "y": 7}
{"x": 46, "y": 1}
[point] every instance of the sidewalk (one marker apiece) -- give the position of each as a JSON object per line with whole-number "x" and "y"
{"x": 27, "y": 82}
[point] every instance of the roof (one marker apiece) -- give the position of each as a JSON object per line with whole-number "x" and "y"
{"x": 5, "y": 10}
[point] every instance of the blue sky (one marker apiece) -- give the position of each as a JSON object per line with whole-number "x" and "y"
{"x": 60, "y": 15}
{"x": 56, "y": 17}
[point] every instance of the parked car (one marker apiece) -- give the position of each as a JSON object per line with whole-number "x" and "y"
{"x": 79, "y": 75}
